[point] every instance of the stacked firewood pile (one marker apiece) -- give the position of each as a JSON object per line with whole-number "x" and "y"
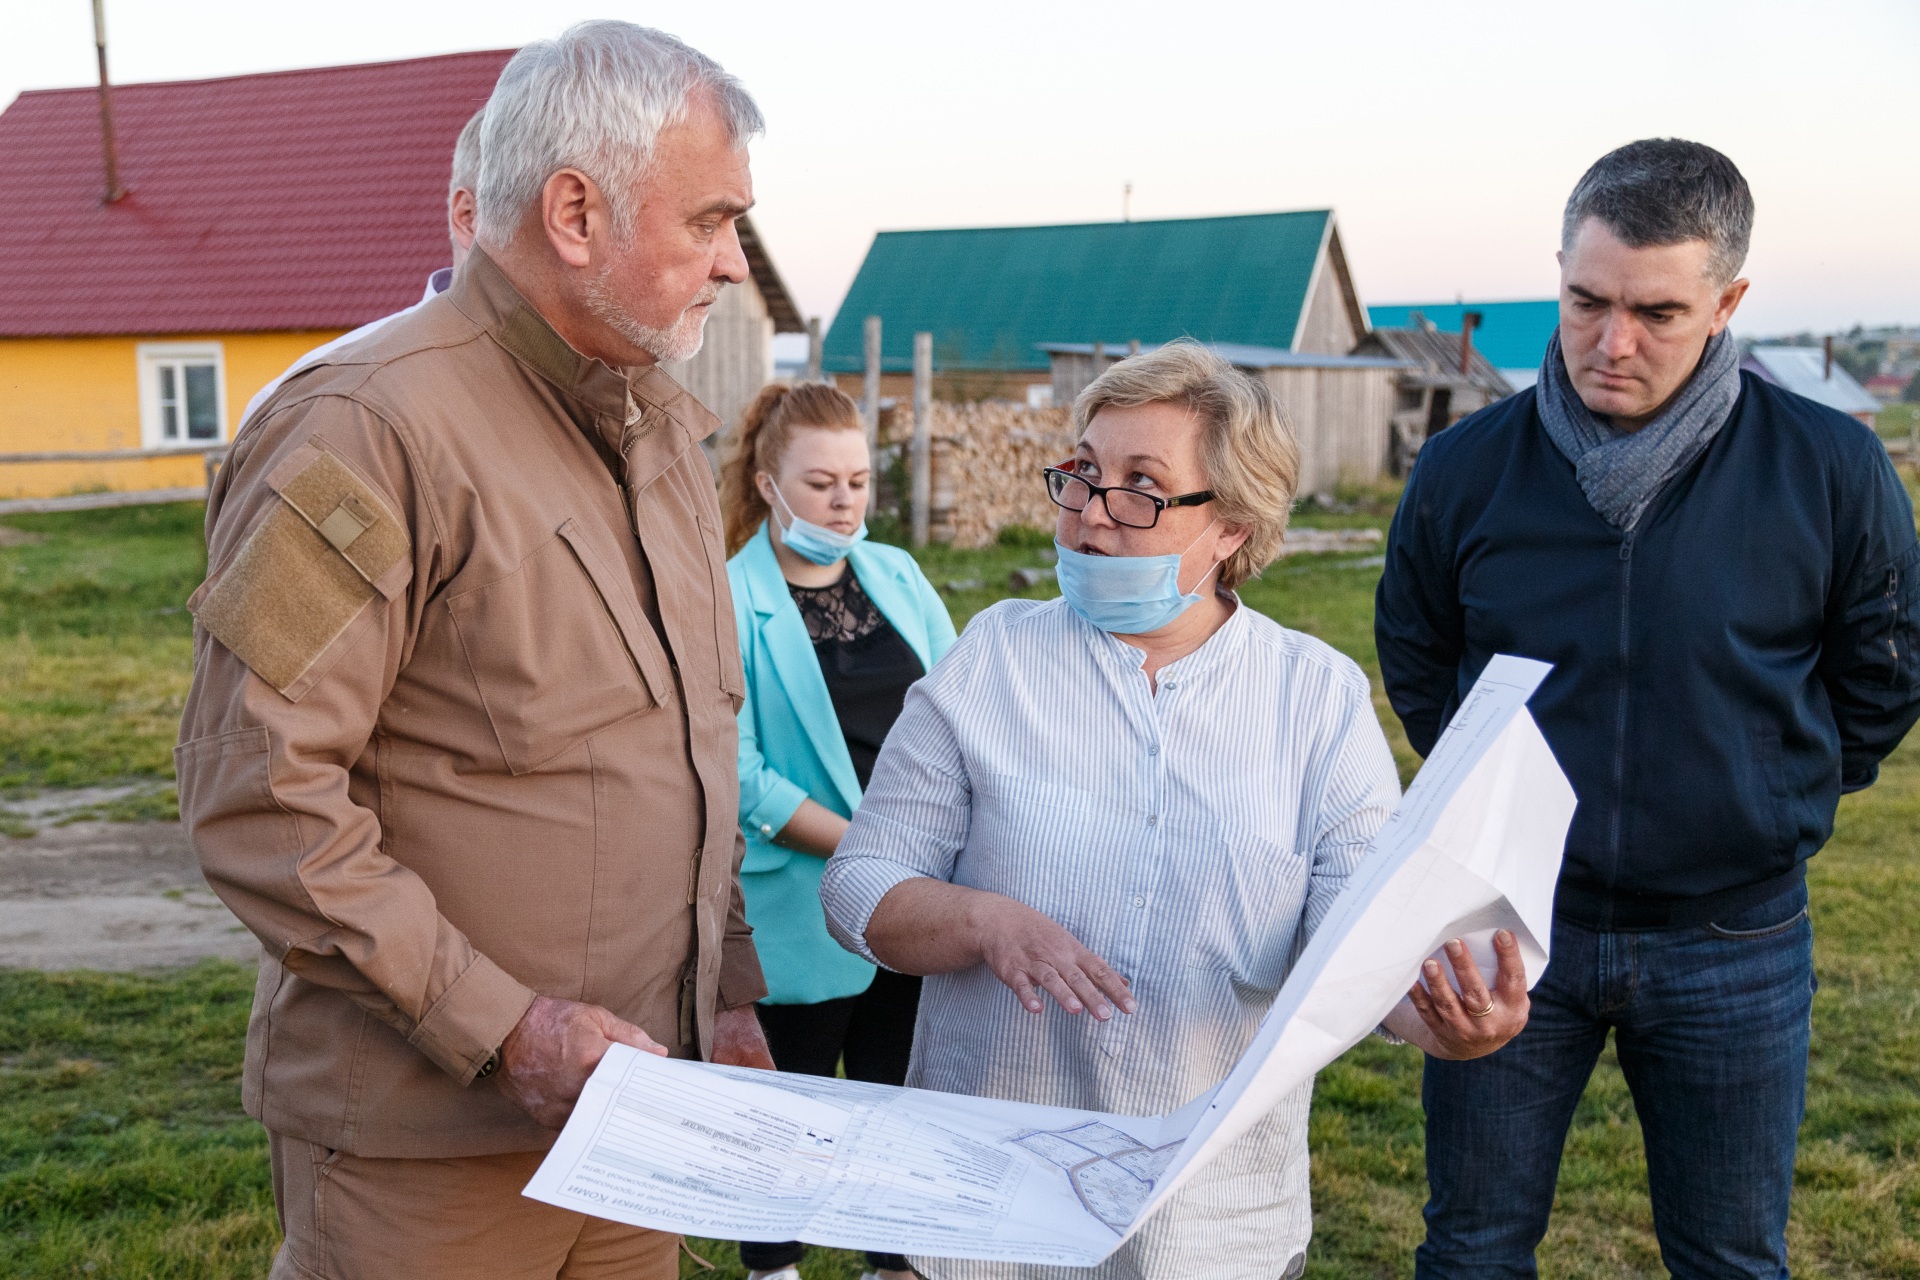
{"x": 987, "y": 458}
{"x": 986, "y": 465}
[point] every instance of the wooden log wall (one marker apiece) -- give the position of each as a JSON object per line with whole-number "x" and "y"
{"x": 1343, "y": 418}
{"x": 986, "y": 466}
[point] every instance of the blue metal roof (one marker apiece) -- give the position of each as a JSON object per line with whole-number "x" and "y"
{"x": 1512, "y": 335}
{"x": 991, "y": 295}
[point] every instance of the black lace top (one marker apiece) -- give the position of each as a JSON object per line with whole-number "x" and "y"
{"x": 866, "y": 664}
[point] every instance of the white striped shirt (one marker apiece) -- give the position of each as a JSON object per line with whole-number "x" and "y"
{"x": 1192, "y": 838}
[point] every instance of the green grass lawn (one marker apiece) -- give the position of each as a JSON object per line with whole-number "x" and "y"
{"x": 95, "y": 643}
{"x": 123, "y": 1151}
{"x": 1896, "y": 421}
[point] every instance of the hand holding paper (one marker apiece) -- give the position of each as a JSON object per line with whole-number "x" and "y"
{"x": 1457, "y": 1012}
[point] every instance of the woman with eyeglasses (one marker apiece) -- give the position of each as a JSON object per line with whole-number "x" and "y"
{"x": 1105, "y": 825}
{"x": 833, "y": 631}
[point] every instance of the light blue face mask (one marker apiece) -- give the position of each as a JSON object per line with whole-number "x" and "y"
{"x": 1128, "y": 595}
{"x": 812, "y": 542}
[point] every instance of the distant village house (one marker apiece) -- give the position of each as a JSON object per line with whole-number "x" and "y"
{"x": 991, "y": 296}
{"x": 1814, "y": 373}
{"x": 1511, "y": 335}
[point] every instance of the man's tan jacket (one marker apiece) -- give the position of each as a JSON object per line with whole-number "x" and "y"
{"x": 462, "y": 721}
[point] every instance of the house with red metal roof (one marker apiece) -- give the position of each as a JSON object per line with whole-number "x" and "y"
{"x": 262, "y": 215}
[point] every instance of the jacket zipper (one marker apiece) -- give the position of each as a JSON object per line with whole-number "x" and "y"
{"x": 1893, "y": 624}
{"x": 1620, "y": 724}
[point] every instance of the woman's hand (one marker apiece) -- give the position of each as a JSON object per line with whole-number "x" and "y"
{"x": 1472, "y": 1022}
{"x": 929, "y": 926}
{"x": 1030, "y": 953}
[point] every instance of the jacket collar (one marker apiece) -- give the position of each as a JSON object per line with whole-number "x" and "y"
{"x": 795, "y": 667}
{"x": 767, "y": 593}
{"x": 639, "y": 414}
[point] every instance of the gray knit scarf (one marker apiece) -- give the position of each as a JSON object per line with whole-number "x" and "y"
{"x": 1620, "y": 472}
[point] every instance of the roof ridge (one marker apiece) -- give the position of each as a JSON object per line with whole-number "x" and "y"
{"x": 285, "y": 72}
{"x": 1131, "y": 222}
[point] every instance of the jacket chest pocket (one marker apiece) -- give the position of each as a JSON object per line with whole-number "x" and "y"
{"x": 559, "y": 651}
{"x": 679, "y": 525}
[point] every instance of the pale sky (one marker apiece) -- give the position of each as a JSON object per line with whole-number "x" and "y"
{"x": 1445, "y": 135}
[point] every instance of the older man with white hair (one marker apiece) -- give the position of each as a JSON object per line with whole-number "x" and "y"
{"x": 460, "y": 747}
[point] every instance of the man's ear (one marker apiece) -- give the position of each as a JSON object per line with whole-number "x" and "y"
{"x": 1728, "y": 304}
{"x": 462, "y": 214}
{"x": 572, "y": 214}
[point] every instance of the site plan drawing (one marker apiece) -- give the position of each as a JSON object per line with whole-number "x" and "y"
{"x": 725, "y": 1152}
{"x": 1110, "y": 1172}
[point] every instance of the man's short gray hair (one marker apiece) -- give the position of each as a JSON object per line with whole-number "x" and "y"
{"x": 596, "y": 100}
{"x": 1661, "y": 191}
{"x": 1246, "y": 442}
{"x": 466, "y": 155}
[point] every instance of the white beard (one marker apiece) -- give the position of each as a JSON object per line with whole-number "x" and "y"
{"x": 678, "y": 341}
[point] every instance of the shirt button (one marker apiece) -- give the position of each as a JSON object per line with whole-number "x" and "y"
{"x": 1153, "y": 819}
{"x": 1154, "y": 750}
{"x": 1139, "y": 900}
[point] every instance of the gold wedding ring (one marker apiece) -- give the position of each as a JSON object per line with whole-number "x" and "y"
{"x": 1481, "y": 1013}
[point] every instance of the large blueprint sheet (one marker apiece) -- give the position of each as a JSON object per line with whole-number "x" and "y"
{"x": 750, "y": 1155}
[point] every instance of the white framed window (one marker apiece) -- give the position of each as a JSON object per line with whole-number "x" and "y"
{"x": 183, "y": 394}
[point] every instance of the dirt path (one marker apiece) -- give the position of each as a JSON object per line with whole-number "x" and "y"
{"x": 110, "y": 895}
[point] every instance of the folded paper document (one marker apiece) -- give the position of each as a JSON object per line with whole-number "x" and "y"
{"x": 751, "y": 1155}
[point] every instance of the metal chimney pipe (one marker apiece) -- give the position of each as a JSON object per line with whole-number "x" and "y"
{"x": 1826, "y": 374}
{"x": 1469, "y": 321}
{"x": 110, "y": 149}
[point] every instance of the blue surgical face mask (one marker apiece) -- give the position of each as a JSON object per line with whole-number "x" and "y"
{"x": 1128, "y": 595}
{"x": 813, "y": 542}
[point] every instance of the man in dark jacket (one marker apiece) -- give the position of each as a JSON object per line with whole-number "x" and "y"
{"x": 1724, "y": 577}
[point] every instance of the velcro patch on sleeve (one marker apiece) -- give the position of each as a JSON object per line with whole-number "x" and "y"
{"x": 345, "y": 511}
{"x": 325, "y": 550}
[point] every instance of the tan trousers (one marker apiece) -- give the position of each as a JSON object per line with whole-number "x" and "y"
{"x": 354, "y": 1218}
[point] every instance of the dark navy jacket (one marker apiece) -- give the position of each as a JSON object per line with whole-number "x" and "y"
{"x": 1719, "y": 678}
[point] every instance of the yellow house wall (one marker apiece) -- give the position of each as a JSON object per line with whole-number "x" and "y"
{"x": 60, "y": 394}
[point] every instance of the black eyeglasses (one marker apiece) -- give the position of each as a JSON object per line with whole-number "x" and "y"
{"x": 1129, "y": 507}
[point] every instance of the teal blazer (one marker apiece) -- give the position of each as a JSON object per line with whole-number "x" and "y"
{"x": 791, "y": 749}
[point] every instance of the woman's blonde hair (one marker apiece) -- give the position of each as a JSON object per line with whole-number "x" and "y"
{"x": 1247, "y": 444}
{"x": 760, "y": 442}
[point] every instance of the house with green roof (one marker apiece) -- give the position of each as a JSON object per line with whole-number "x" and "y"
{"x": 991, "y": 296}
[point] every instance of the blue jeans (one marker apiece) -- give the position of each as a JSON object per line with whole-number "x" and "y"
{"x": 1711, "y": 1024}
